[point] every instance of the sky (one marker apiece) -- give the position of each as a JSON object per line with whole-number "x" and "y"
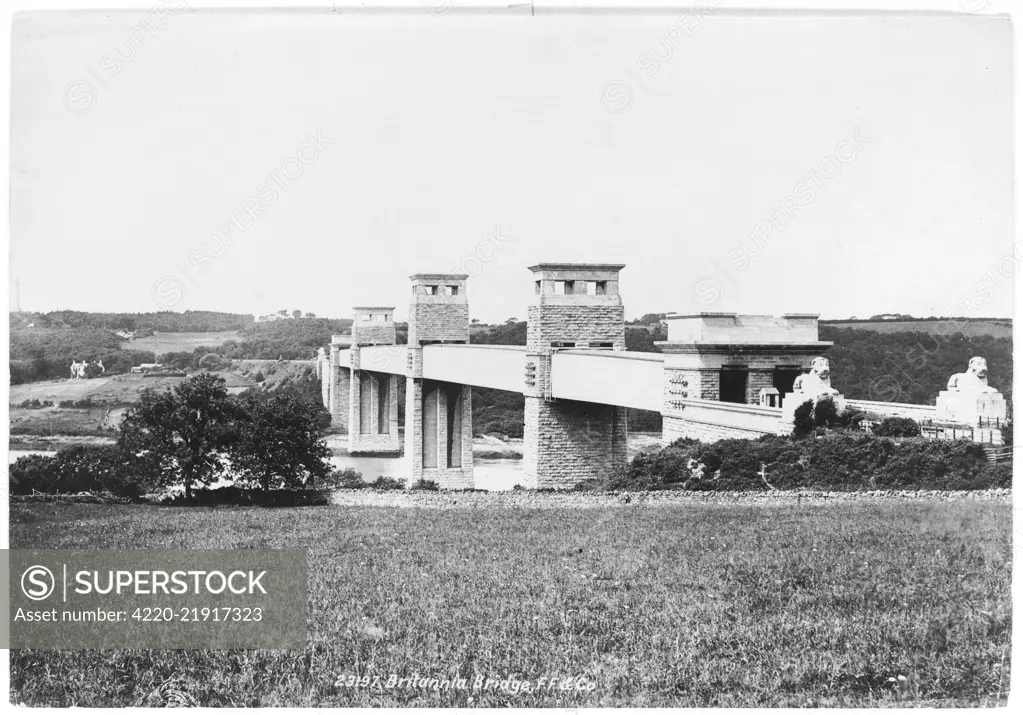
{"x": 846, "y": 165}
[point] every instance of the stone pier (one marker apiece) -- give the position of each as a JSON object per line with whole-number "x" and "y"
{"x": 575, "y": 306}
{"x": 438, "y": 415}
{"x": 339, "y": 386}
{"x": 373, "y": 401}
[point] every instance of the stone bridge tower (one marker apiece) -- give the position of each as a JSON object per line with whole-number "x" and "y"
{"x": 438, "y": 415}
{"x": 338, "y": 378}
{"x": 575, "y": 306}
{"x": 373, "y": 398}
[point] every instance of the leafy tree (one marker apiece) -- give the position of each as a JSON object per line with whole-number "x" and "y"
{"x": 211, "y": 361}
{"x": 280, "y": 444}
{"x": 296, "y": 314}
{"x": 897, "y": 427}
{"x": 179, "y": 435}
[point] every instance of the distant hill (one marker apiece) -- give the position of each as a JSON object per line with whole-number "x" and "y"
{"x": 910, "y": 366}
{"x": 970, "y": 327}
{"x": 189, "y": 321}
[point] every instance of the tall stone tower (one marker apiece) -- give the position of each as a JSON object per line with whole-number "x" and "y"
{"x": 339, "y": 382}
{"x": 438, "y": 415}
{"x": 574, "y": 306}
{"x": 373, "y": 400}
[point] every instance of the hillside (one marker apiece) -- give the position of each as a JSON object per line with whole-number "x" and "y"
{"x": 993, "y": 327}
{"x": 100, "y": 402}
{"x": 46, "y": 352}
{"x": 163, "y": 321}
{"x": 907, "y": 366}
{"x": 162, "y": 343}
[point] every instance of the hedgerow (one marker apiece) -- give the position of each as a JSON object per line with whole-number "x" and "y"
{"x": 834, "y": 461}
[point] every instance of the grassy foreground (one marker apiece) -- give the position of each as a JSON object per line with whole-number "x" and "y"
{"x": 850, "y": 604}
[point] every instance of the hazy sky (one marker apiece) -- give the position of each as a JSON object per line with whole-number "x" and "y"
{"x": 880, "y": 147}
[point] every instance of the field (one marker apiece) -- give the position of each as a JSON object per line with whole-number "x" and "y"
{"x": 117, "y": 391}
{"x": 858, "y": 603}
{"x": 996, "y": 328}
{"x": 161, "y": 343}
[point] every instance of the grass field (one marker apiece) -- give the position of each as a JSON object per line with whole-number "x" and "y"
{"x": 851, "y": 604}
{"x": 181, "y": 342}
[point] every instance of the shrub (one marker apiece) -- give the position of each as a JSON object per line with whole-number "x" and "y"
{"x": 425, "y": 485}
{"x": 346, "y": 478}
{"x": 34, "y": 472}
{"x": 736, "y": 464}
{"x": 803, "y": 423}
{"x": 86, "y": 403}
{"x": 212, "y": 361}
{"x": 825, "y": 412}
{"x": 835, "y": 461}
{"x": 241, "y": 496}
{"x": 897, "y": 427}
{"x": 937, "y": 464}
{"x": 383, "y": 482}
{"x": 259, "y": 376}
{"x": 81, "y": 468}
{"x": 999, "y": 475}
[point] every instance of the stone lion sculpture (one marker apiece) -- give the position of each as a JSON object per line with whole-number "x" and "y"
{"x": 973, "y": 380}
{"x": 817, "y": 382}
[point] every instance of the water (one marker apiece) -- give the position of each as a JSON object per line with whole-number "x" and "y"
{"x": 491, "y": 474}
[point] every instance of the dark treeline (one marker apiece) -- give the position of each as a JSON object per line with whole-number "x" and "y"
{"x": 903, "y": 318}
{"x": 47, "y": 355}
{"x": 910, "y": 366}
{"x": 190, "y": 321}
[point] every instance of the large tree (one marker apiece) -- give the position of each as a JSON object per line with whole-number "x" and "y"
{"x": 280, "y": 444}
{"x": 181, "y": 435}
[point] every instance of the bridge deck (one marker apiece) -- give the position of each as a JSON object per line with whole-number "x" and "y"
{"x": 626, "y": 379}
{"x": 609, "y": 377}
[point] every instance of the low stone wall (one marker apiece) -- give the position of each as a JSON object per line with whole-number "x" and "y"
{"x": 881, "y": 410}
{"x": 710, "y": 420}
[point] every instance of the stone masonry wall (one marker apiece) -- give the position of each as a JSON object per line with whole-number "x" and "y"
{"x": 674, "y": 428}
{"x": 619, "y": 438}
{"x": 324, "y": 373}
{"x": 567, "y": 442}
{"x": 581, "y": 323}
{"x": 372, "y": 333}
{"x": 757, "y": 380}
{"x": 414, "y": 428}
{"x": 438, "y": 322}
{"x": 682, "y": 384}
{"x": 340, "y": 393}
